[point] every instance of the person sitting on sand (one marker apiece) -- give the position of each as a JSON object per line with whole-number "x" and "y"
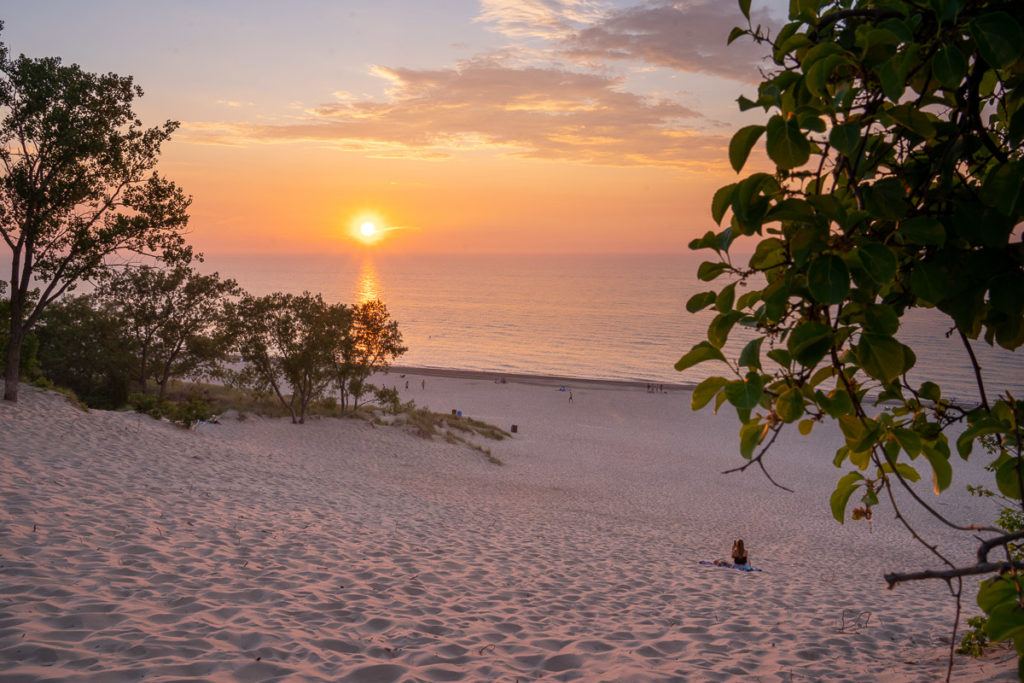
{"x": 739, "y": 556}
{"x": 739, "y": 553}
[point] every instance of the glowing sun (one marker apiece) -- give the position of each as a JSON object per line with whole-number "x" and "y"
{"x": 368, "y": 229}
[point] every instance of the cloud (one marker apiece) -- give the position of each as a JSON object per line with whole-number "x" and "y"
{"x": 686, "y": 36}
{"x": 537, "y": 112}
{"x": 539, "y": 18}
{"x": 234, "y": 104}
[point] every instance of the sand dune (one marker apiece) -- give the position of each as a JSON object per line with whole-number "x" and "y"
{"x": 257, "y": 550}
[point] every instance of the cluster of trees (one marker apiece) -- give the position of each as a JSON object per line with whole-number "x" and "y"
{"x": 896, "y": 131}
{"x": 145, "y": 326}
{"x": 81, "y": 202}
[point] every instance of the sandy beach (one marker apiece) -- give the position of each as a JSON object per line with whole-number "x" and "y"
{"x": 256, "y": 550}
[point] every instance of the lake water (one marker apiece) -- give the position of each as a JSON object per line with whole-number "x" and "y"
{"x": 605, "y": 317}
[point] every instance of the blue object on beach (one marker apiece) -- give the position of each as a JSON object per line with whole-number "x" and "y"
{"x": 458, "y": 413}
{"x": 737, "y": 567}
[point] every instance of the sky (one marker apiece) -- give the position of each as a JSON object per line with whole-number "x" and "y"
{"x": 455, "y": 126}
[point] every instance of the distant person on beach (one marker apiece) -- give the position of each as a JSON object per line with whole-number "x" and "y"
{"x": 424, "y": 385}
{"x": 740, "y": 558}
{"x": 570, "y": 397}
{"x": 406, "y": 384}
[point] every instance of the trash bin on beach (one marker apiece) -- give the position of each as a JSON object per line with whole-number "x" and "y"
{"x": 515, "y": 429}
{"x": 458, "y": 413}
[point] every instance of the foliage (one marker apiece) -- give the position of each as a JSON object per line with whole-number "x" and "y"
{"x": 185, "y": 413}
{"x": 175, "y": 317}
{"x": 83, "y": 347}
{"x": 77, "y": 184}
{"x": 289, "y": 343}
{"x": 895, "y": 131}
{"x": 975, "y": 640}
{"x": 388, "y": 398}
{"x": 372, "y": 343}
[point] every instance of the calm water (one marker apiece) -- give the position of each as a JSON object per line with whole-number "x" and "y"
{"x": 608, "y": 317}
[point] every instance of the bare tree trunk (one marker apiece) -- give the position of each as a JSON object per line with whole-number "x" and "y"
{"x": 12, "y": 370}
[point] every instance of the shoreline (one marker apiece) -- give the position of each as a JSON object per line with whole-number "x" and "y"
{"x": 536, "y": 379}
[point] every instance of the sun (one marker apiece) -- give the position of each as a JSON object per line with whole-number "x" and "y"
{"x": 368, "y": 229}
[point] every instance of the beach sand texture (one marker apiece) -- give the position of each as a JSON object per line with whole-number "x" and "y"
{"x": 257, "y": 550}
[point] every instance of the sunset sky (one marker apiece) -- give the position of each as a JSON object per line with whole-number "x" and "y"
{"x": 467, "y": 126}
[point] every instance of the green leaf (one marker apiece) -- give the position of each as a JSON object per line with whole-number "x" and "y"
{"x": 930, "y": 391}
{"x": 1003, "y": 188}
{"x": 789, "y": 406}
{"x": 828, "y": 278}
{"x": 909, "y": 441}
{"x": 741, "y": 144}
{"x": 705, "y": 391}
{"x": 942, "y": 472}
{"x": 878, "y": 262}
{"x": 904, "y": 470}
{"x": 949, "y": 66}
{"x": 787, "y": 146}
{"x": 781, "y": 356}
{"x": 745, "y": 8}
{"x": 721, "y": 201}
{"x": 914, "y": 120}
{"x": 750, "y": 356}
{"x": 965, "y": 442}
{"x": 1005, "y": 622}
{"x": 745, "y": 394}
{"x": 698, "y": 354}
{"x": 709, "y": 270}
{"x": 745, "y": 103}
{"x": 805, "y": 427}
{"x": 768, "y": 254}
{"x": 841, "y": 496}
{"x": 886, "y": 199}
{"x": 725, "y": 298}
{"x": 751, "y": 434}
{"x": 1008, "y": 478}
{"x": 880, "y": 356}
{"x": 698, "y": 302}
{"x": 809, "y": 342}
{"x": 820, "y": 375}
{"x": 736, "y": 32}
{"x": 881, "y": 319}
{"x": 747, "y": 300}
{"x": 718, "y": 330}
{"x": 845, "y": 138}
{"x": 929, "y": 282}
{"x": 999, "y": 38}
{"x": 923, "y": 230}
{"x": 998, "y": 590}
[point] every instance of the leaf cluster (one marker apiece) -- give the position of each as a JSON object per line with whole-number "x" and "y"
{"x": 895, "y": 132}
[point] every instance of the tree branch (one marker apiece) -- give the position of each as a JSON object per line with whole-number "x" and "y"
{"x": 950, "y": 574}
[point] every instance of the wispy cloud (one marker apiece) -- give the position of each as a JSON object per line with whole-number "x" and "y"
{"x": 234, "y": 104}
{"x": 536, "y": 112}
{"x": 539, "y": 18}
{"x": 684, "y": 35}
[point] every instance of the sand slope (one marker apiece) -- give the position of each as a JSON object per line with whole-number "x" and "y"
{"x": 259, "y": 550}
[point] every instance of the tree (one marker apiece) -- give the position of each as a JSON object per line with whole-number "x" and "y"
{"x": 175, "y": 317}
{"x": 77, "y": 185}
{"x": 895, "y": 129}
{"x": 289, "y": 343}
{"x": 83, "y": 347}
{"x": 374, "y": 341}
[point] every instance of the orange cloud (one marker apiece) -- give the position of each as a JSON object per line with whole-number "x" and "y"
{"x": 534, "y": 112}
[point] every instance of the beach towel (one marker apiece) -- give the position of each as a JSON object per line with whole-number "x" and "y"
{"x": 737, "y": 567}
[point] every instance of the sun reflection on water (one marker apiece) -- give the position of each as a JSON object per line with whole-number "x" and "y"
{"x": 368, "y": 286}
